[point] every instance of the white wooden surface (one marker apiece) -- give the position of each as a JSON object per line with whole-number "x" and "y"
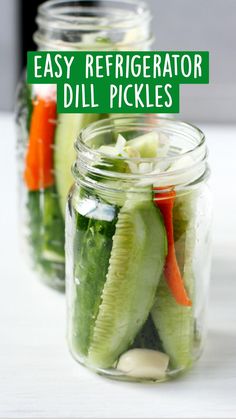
{"x": 38, "y": 377}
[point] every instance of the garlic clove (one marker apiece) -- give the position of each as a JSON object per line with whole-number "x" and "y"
{"x": 144, "y": 363}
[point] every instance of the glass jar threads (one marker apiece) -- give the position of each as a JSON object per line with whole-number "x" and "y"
{"x": 45, "y": 138}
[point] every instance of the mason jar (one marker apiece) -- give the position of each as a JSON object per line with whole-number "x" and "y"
{"x": 138, "y": 239}
{"x": 45, "y": 139}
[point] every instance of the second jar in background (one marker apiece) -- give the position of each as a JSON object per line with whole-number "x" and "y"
{"x": 45, "y": 138}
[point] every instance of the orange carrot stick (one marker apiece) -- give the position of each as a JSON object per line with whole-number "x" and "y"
{"x": 39, "y": 158}
{"x": 165, "y": 202}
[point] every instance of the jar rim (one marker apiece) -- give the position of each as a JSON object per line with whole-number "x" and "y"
{"x": 108, "y": 16}
{"x": 195, "y": 170}
{"x": 61, "y": 11}
{"x": 101, "y": 126}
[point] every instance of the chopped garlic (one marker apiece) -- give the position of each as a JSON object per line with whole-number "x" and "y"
{"x": 120, "y": 144}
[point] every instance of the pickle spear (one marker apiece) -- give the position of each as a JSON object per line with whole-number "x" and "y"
{"x": 175, "y": 322}
{"x": 136, "y": 263}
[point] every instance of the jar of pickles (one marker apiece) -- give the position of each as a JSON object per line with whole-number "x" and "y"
{"x": 138, "y": 239}
{"x": 45, "y": 138}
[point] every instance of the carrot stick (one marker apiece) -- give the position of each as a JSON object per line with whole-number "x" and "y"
{"x": 39, "y": 158}
{"x": 165, "y": 202}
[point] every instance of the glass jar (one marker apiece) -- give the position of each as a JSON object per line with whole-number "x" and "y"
{"x": 138, "y": 248}
{"x": 45, "y": 138}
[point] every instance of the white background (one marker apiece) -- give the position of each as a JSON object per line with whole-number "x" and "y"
{"x": 38, "y": 377}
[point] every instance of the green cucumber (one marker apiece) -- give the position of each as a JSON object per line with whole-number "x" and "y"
{"x": 146, "y": 145}
{"x": 24, "y": 111}
{"x": 68, "y": 128}
{"x": 53, "y": 226}
{"x": 92, "y": 248}
{"x": 46, "y": 233}
{"x": 135, "y": 266}
{"x": 174, "y": 322}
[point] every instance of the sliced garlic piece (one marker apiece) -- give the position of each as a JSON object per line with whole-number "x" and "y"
{"x": 181, "y": 163}
{"x": 120, "y": 144}
{"x": 144, "y": 363}
{"x": 164, "y": 145}
{"x": 108, "y": 150}
{"x": 132, "y": 152}
{"x": 145, "y": 167}
{"x": 188, "y": 170}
